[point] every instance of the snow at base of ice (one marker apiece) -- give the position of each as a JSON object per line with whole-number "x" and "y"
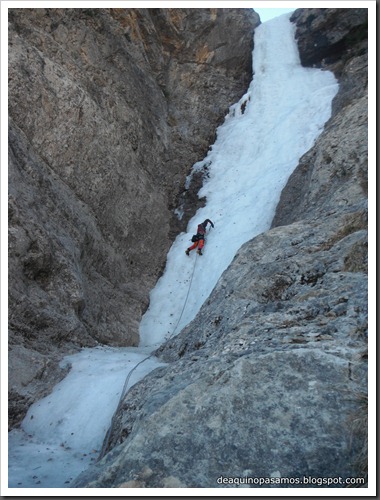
{"x": 257, "y": 148}
{"x": 63, "y": 433}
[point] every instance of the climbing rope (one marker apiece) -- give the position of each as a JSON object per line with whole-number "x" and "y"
{"x": 184, "y": 305}
{"x": 124, "y": 391}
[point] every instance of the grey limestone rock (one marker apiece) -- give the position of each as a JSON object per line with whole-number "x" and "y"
{"x": 108, "y": 110}
{"x": 269, "y": 380}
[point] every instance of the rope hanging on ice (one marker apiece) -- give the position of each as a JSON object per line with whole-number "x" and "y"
{"x": 124, "y": 391}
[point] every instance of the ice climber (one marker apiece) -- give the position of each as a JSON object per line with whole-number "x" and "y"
{"x": 199, "y": 238}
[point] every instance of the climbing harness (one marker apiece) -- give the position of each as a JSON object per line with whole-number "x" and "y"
{"x": 124, "y": 391}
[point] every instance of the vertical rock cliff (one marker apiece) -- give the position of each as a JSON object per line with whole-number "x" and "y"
{"x": 269, "y": 380}
{"x": 108, "y": 111}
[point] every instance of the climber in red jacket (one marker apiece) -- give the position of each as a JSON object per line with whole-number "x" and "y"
{"x": 199, "y": 238}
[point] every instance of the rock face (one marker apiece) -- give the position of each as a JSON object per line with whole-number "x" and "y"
{"x": 108, "y": 111}
{"x": 269, "y": 380}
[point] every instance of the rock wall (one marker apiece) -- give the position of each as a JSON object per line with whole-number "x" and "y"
{"x": 108, "y": 111}
{"x": 269, "y": 380}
